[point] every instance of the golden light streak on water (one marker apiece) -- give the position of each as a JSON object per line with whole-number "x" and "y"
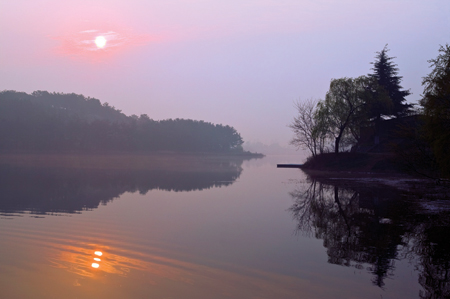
{"x": 159, "y": 269}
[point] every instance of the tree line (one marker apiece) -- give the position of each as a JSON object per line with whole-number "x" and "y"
{"x": 59, "y": 122}
{"x": 335, "y": 124}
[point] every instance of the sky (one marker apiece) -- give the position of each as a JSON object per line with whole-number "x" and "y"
{"x": 242, "y": 63}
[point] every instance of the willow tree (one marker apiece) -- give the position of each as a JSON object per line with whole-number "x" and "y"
{"x": 342, "y": 108}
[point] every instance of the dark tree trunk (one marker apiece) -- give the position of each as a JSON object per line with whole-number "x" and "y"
{"x": 336, "y": 145}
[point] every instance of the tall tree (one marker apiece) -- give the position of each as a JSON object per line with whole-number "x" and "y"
{"x": 436, "y": 104}
{"x": 385, "y": 71}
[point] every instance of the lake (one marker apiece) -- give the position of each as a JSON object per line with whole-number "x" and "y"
{"x": 212, "y": 227}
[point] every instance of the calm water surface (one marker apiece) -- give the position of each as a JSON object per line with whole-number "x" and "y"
{"x": 224, "y": 229}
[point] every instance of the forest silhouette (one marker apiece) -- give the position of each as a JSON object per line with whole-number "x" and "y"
{"x": 58, "y": 122}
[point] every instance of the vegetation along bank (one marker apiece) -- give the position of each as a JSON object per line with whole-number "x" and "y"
{"x": 368, "y": 117}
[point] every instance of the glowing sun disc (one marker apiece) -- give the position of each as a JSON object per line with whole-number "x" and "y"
{"x": 100, "y": 41}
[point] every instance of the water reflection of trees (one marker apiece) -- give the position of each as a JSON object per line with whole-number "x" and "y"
{"x": 371, "y": 227}
{"x": 431, "y": 244}
{"x": 40, "y": 190}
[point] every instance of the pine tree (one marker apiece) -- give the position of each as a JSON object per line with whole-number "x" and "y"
{"x": 386, "y": 74}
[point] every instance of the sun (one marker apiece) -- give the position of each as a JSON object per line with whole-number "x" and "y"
{"x": 100, "y": 41}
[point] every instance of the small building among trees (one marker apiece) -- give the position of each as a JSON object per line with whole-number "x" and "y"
{"x": 386, "y": 135}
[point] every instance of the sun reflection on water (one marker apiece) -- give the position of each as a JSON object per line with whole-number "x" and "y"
{"x": 97, "y": 265}
{"x": 83, "y": 259}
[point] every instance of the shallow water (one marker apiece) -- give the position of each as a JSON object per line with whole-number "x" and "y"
{"x": 227, "y": 228}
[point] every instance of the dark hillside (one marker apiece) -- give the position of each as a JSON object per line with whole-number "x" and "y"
{"x": 55, "y": 122}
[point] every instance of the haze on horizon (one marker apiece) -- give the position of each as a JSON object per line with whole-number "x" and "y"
{"x": 241, "y": 63}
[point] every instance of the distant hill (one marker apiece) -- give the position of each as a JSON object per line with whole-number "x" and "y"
{"x": 58, "y": 122}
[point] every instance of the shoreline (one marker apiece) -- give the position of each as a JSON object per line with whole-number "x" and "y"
{"x": 154, "y": 160}
{"x": 385, "y": 163}
{"x": 382, "y": 169}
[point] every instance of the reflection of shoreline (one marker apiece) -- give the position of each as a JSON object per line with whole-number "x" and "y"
{"x": 419, "y": 187}
{"x": 53, "y": 184}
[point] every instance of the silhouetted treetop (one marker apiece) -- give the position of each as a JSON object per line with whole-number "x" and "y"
{"x": 385, "y": 71}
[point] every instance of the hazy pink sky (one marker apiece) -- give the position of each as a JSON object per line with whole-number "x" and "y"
{"x": 241, "y": 63}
